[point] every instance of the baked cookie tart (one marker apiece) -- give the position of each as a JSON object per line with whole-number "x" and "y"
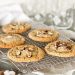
{"x": 11, "y": 40}
{"x": 61, "y": 48}
{"x": 25, "y": 53}
{"x": 16, "y": 27}
{"x": 43, "y": 35}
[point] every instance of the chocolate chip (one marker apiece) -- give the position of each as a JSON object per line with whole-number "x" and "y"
{"x": 14, "y": 24}
{"x": 46, "y": 31}
{"x": 60, "y": 44}
{"x": 24, "y": 48}
{"x": 12, "y": 28}
{"x": 69, "y": 46}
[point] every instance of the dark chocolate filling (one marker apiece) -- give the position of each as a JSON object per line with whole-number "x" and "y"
{"x": 60, "y": 44}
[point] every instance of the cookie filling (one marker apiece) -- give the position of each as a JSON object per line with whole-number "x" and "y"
{"x": 26, "y": 52}
{"x": 45, "y": 33}
{"x": 63, "y": 46}
{"x": 9, "y": 39}
{"x": 14, "y": 26}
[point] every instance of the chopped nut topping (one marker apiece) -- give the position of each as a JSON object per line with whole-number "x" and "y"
{"x": 50, "y": 33}
{"x": 31, "y": 49}
{"x": 62, "y": 49}
{"x": 63, "y": 44}
{"x": 60, "y": 46}
{"x": 18, "y": 52}
{"x": 45, "y": 33}
{"x": 26, "y": 52}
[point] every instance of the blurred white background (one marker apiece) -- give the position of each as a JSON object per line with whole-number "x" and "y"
{"x": 43, "y": 6}
{"x": 51, "y": 12}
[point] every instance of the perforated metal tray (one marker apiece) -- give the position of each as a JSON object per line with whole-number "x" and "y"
{"x": 44, "y": 64}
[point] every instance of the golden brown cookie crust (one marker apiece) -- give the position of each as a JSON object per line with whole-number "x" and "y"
{"x": 16, "y": 27}
{"x": 11, "y": 40}
{"x": 54, "y": 35}
{"x": 68, "y": 51}
{"x": 25, "y": 58}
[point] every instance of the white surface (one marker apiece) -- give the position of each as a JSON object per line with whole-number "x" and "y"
{"x": 46, "y": 6}
{"x": 56, "y": 20}
{"x": 70, "y": 72}
{"x": 7, "y": 72}
{"x": 68, "y": 33}
{"x": 42, "y": 6}
{"x": 6, "y": 2}
{"x": 11, "y": 13}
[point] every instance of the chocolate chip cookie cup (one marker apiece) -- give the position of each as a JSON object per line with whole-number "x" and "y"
{"x": 61, "y": 48}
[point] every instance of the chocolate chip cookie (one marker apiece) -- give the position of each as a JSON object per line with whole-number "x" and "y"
{"x": 61, "y": 48}
{"x": 11, "y": 40}
{"x": 25, "y": 53}
{"x": 43, "y": 35}
{"x": 16, "y": 27}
